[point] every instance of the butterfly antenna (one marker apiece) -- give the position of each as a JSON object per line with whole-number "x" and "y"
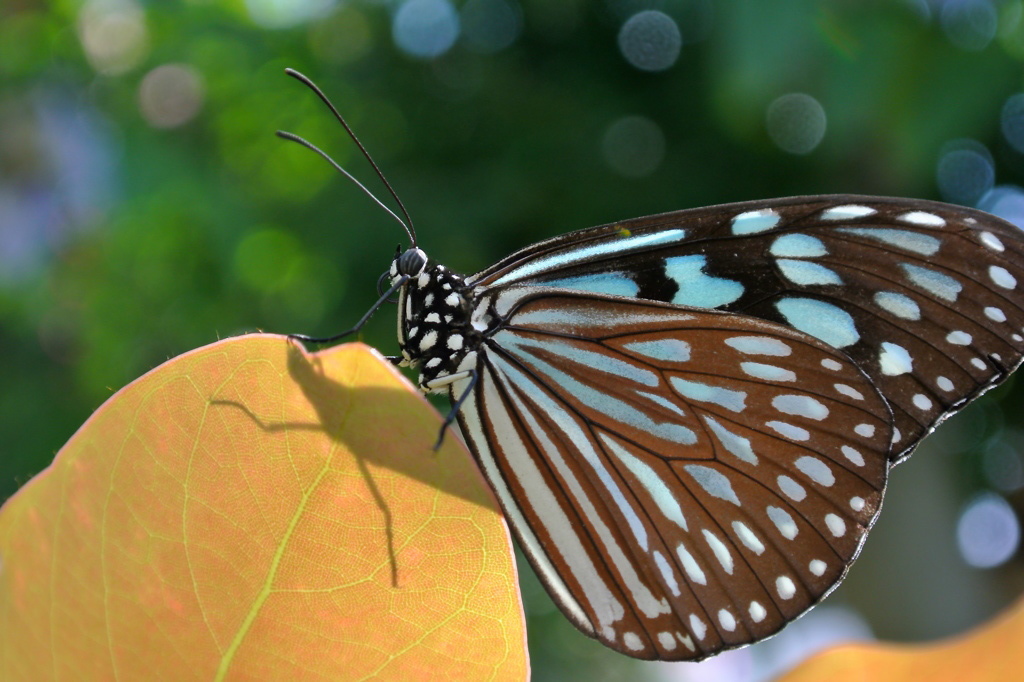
{"x": 309, "y": 145}
{"x": 407, "y": 223}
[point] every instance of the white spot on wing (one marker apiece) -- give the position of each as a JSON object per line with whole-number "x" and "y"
{"x": 922, "y": 218}
{"x": 835, "y": 524}
{"x": 958, "y": 338}
{"x": 708, "y": 393}
{"x": 697, "y": 626}
{"x": 668, "y": 350}
{"x": 667, "y": 572}
{"x": 798, "y": 246}
{"x": 914, "y": 242}
{"x": 697, "y": 288}
{"x": 759, "y": 345}
{"x": 727, "y": 620}
{"x": 733, "y": 443}
{"x": 1002, "y": 277}
{"x": 922, "y": 402}
{"x": 936, "y": 283}
{"x": 789, "y": 430}
{"x": 805, "y": 274}
{"x": 817, "y": 567}
{"x": 614, "y": 283}
{"x": 894, "y": 359}
{"x": 663, "y": 401}
{"x": 849, "y": 391}
{"x": 752, "y": 222}
{"x": 651, "y": 482}
{"x": 866, "y": 430}
{"x": 720, "y": 550}
{"x": 900, "y": 305}
{"x": 632, "y": 641}
{"x": 714, "y": 482}
{"x": 785, "y": 587}
{"x": 853, "y": 455}
{"x": 847, "y": 212}
{"x": 991, "y": 241}
{"x": 757, "y": 612}
{"x": 791, "y": 488}
{"x": 747, "y": 537}
{"x": 995, "y": 314}
{"x": 800, "y": 406}
{"x": 823, "y": 321}
{"x": 816, "y": 470}
{"x": 693, "y": 571}
{"x": 616, "y": 245}
{"x": 829, "y": 363}
{"x": 783, "y": 521}
{"x": 767, "y": 372}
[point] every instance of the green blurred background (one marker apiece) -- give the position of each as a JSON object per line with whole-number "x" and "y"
{"x": 146, "y": 207}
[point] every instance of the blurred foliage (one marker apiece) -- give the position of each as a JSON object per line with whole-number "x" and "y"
{"x": 128, "y": 236}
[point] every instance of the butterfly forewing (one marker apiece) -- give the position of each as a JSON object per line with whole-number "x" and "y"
{"x": 924, "y": 297}
{"x": 683, "y": 480}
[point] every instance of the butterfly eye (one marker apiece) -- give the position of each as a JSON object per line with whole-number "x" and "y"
{"x": 412, "y": 262}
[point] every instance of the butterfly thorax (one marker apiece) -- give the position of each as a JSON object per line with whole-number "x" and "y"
{"x": 434, "y": 331}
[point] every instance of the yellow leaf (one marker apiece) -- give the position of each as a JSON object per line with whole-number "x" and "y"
{"x": 991, "y": 652}
{"x": 251, "y": 511}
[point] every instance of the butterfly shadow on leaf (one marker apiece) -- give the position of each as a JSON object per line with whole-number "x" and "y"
{"x": 374, "y": 425}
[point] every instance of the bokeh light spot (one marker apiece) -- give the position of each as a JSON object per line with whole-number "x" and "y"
{"x": 1002, "y": 464}
{"x": 633, "y": 146}
{"x": 650, "y": 40}
{"x": 425, "y": 28}
{"x": 1012, "y": 121}
{"x": 113, "y": 35}
{"x": 1007, "y": 202}
{"x": 343, "y": 37}
{"x": 286, "y": 13}
{"x": 969, "y": 24}
{"x": 965, "y": 172}
{"x": 796, "y": 123}
{"x": 988, "y": 532}
{"x": 490, "y": 25}
{"x": 170, "y": 95}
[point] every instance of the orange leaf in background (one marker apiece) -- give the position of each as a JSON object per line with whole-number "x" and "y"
{"x": 993, "y": 651}
{"x": 251, "y": 511}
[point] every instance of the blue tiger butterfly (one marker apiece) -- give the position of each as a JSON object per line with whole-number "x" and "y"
{"x": 689, "y": 418}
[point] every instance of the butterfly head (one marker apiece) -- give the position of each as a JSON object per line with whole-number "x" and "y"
{"x": 409, "y": 263}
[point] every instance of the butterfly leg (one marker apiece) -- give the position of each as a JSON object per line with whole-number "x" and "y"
{"x": 440, "y": 382}
{"x": 362, "y": 321}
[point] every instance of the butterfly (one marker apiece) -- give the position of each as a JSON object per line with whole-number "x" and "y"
{"x": 689, "y": 418}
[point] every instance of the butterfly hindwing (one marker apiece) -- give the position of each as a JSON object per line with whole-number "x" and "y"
{"x": 923, "y": 296}
{"x": 682, "y": 480}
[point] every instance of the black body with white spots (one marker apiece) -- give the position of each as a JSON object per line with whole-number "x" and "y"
{"x": 434, "y": 331}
